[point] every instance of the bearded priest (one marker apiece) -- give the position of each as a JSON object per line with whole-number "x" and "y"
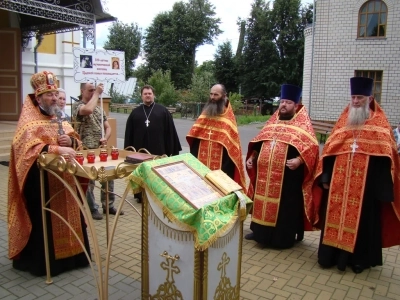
{"x": 357, "y": 186}
{"x": 214, "y": 137}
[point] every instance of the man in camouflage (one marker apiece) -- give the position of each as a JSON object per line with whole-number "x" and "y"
{"x": 88, "y": 116}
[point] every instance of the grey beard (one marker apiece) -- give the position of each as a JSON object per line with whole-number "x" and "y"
{"x": 358, "y": 115}
{"x": 213, "y": 109}
{"x": 52, "y": 110}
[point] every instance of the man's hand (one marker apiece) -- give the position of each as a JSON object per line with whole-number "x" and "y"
{"x": 293, "y": 163}
{"x": 325, "y": 186}
{"x": 67, "y": 150}
{"x": 64, "y": 140}
{"x": 249, "y": 162}
{"x": 100, "y": 88}
{"x": 103, "y": 142}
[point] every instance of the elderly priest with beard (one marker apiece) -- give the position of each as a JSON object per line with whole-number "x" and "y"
{"x": 214, "y": 138}
{"x": 39, "y": 131}
{"x": 357, "y": 186}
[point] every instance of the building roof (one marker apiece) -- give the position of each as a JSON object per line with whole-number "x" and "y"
{"x": 125, "y": 88}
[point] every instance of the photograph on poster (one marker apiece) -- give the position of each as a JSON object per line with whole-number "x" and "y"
{"x": 115, "y": 63}
{"x": 86, "y": 61}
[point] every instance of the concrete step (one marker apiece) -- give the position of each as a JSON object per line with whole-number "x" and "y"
{"x": 7, "y": 134}
{"x": 5, "y": 156}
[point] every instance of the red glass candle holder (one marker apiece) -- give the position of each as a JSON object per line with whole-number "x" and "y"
{"x": 91, "y": 157}
{"x": 114, "y": 153}
{"x": 103, "y": 155}
{"x": 79, "y": 157}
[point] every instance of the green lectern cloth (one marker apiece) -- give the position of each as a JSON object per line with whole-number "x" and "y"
{"x": 207, "y": 223}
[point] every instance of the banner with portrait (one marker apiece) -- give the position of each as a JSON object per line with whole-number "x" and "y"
{"x": 98, "y": 65}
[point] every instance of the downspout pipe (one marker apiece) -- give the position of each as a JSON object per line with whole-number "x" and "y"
{"x": 312, "y": 60}
{"x": 39, "y": 39}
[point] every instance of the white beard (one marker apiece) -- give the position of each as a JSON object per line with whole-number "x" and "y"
{"x": 358, "y": 115}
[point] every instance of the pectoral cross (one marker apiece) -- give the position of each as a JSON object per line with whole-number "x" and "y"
{"x": 354, "y": 146}
{"x": 59, "y": 121}
{"x": 273, "y": 143}
{"x": 147, "y": 122}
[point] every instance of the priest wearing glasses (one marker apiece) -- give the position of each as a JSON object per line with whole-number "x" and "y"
{"x": 357, "y": 185}
{"x": 280, "y": 163}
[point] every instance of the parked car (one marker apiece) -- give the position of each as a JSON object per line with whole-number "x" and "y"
{"x": 270, "y": 106}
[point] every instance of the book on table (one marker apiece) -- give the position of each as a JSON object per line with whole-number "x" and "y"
{"x": 223, "y": 182}
{"x": 138, "y": 157}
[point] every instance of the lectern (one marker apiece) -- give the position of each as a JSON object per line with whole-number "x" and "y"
{"x": 191, "y": 233}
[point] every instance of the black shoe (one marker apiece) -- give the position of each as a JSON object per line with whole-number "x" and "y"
{"x": 113, "y": 211}
{"x": 96, "y": 215}
{"x": 357, "y": 269}
{"x": 250, "y": 236}
{"x": 299, "y": 237}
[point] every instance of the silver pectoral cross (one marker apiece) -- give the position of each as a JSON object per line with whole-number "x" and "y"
{"x": 354, "y": 146}
{"x": 147, "y": 122}
{"x": 59, "y": 121}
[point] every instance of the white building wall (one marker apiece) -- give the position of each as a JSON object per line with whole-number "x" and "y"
{"x": 338, "y": 53}
{"x": 307, "y": 67}
{"x": 61, "y": 64}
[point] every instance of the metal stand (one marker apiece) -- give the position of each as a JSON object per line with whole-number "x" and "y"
{"x": 56, "y": 165}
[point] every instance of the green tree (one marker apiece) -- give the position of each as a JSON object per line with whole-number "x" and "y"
{"x": 274, "y": 47}
{"x": 259, "y": 61}
{"x": 173, "y": 37}
{"x": 200, "y": 88}
{"x": 164, "y": 87}
{"x": 225, "y": 67}
{"x": 289, "y": 39}
{"x": 127, "y": 38}
{"x": 142, "y": 72}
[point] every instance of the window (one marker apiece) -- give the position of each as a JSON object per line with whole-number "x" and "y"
{"x": 377, "y": 77}
{"x": 372, "y": 19}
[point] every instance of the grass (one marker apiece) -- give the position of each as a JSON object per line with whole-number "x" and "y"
{"x": 244, "y": 120}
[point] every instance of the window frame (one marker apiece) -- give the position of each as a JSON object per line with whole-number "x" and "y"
{"x": 380, "y": 26}
{"x": 377, "y": 76}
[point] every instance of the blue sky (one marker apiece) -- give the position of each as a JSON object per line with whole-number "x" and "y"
{"x": 143, "y": 13}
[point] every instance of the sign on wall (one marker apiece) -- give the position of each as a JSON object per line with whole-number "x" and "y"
{"x": 98, "y": 65}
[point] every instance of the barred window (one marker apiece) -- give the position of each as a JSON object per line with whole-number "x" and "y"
{"x": 372, "y": 19}
{"x": 377, "y": 77}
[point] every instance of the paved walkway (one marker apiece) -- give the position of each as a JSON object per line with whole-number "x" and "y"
{"x": 266, "y": 274}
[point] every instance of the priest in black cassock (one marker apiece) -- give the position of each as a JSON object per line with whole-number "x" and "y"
{"x": 151, "y": 126}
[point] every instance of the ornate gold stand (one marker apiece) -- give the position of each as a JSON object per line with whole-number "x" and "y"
{"x": 99, "y": 171}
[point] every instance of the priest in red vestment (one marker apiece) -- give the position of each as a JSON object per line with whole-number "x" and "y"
{"x": 357, "y": 185}
{"x": 214, "y": 138}
{"x": 37, "y": 133}
{"x": 280, "y": 163}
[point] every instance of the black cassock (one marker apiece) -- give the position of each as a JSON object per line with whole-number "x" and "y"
{"x": 159, "y": 137}
{"x": 368, "y": 248}
{"x": 32, "y": 258}
{"x": 290, "y": 223}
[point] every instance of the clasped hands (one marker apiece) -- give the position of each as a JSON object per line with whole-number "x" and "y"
{"x": 65, "y": 143}
{"x": 292, "y": 164}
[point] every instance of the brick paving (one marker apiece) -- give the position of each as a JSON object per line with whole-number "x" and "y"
{"x": 266, "y": 273}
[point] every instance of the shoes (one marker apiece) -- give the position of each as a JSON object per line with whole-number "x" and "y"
{"x": 250, "y": 236}
{"x": 113, "y": 211}
{"x": 96, "y": 215}
{"x": 357, "y": 269}
{"x": 299, "y": 237}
